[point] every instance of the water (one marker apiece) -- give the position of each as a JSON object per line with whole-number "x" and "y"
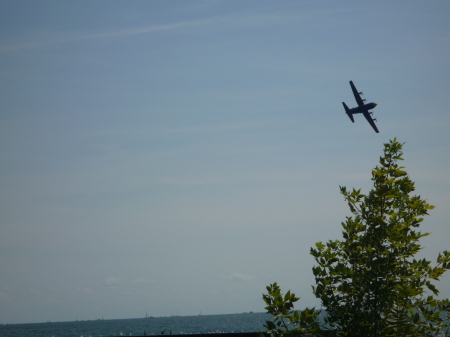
{"x": 251, "y": 322}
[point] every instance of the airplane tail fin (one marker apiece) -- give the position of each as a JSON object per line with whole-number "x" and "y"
{"x": 347, "y": 110}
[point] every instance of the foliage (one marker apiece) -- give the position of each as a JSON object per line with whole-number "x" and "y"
{"x": 370, "y": 283}
{"x": 287, "y": 321}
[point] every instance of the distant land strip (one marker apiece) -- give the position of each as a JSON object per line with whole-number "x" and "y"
{"x": 225, "y": 334}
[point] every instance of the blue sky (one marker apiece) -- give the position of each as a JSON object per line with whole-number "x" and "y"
{"x": 167, "y": 157}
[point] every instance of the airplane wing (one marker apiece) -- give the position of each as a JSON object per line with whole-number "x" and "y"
{"x": 370, "y": 120}
{"x": 356, "y": 94}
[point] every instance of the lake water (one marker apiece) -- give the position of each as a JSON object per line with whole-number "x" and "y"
{"x": 248, "y": 322}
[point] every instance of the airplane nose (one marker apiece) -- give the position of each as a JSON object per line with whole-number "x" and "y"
{"x": 375, "y": 104}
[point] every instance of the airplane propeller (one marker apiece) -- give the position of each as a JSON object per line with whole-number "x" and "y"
{"x": 374, "y": 119}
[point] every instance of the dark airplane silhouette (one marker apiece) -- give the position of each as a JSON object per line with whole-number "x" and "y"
{"x": 362, "y": 108}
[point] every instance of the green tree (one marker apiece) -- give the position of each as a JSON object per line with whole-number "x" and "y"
{"x": 287, "y": 321}
{"x": 369, "y": 283}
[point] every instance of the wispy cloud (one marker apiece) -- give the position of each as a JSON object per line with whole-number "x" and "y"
{"x": 51, "y": 38}
{"x": 234, "y": 20}
{"x": 112, "y": 281}
{"x": 238, "y": 277}
{"x": 4, "y": 298}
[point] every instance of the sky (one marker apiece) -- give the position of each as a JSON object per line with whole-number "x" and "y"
{"x": 175, "y": 157}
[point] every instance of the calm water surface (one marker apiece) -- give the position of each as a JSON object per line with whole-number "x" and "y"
{"x": 251, "y": 322}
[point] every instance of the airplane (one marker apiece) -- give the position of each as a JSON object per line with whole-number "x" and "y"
{"x": 361, "y": 108}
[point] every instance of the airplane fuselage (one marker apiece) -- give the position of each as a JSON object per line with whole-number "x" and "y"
{"x": 363, "y": 108}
